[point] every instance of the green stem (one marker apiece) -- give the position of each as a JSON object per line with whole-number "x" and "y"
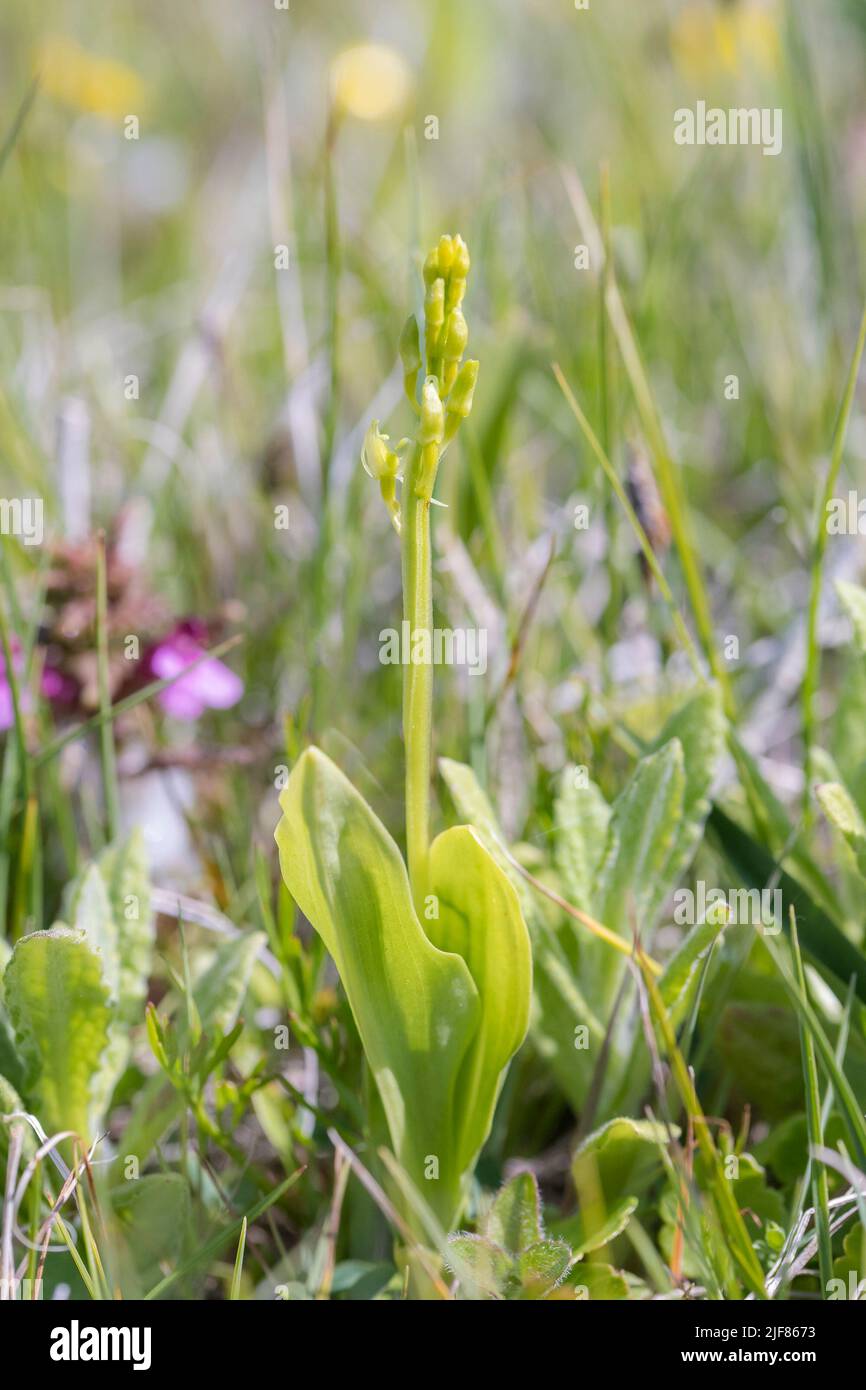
{"x": 106, "y": 731}
{"x": 418, "y": 679}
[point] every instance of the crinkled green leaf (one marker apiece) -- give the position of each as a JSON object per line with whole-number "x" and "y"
{"x": 417, "y": 1008}
{"x": 581, "y": 819}
{"x": 514, "y": 1222}
{"x": 58, "y": 1004}
{"x": 541, "y": 1266}
{"x": 641, "y": 839}
{"x": 489, "y": 1266}
{"x": 478, "y": 918}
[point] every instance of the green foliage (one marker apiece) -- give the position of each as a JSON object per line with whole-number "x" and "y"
{"x": 438, "y": 1027}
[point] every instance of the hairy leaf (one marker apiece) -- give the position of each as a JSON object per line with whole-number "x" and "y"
{"x": 58, "y": 1003}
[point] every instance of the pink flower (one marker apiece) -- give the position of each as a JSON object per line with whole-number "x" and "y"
{"x": 7, "y": 709}
{"x": 209, "y": 685}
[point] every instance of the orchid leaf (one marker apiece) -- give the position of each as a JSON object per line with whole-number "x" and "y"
{"x": 478, "y": 918}
{"x": 416, "y": 1007}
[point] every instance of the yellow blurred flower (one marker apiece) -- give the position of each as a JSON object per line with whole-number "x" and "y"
{"x": 86, "y": 82}
{"x": 708, "y": 38}
{"x": 370, "y": 81}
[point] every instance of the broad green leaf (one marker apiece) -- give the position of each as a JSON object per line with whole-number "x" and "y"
{"x": 514, "y": 1222}
{"x": 489, "y": 1266}
{"x": 616, "y": 1158}
{"x": 221, "y": 990}
{"x": 617, "y": 1218}
{"x": 479, "y": 920}
{"x": 474, "y": 806}
{"x": 853, "y": 599}
{"x": 842, "y": 811}
{"x": 581, "y": 818}
{"x": 58, "y": 1004}
{"x": 560, "y": 1003}
{"x": 416, "y": 1007}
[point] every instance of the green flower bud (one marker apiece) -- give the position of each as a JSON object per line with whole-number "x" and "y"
{"x": 460, "y": 400}
{"x": 432, "y": 425}
{"x": 446, "y": 255}
{"x": 410, "y": 355}
{"x": 456, "y": 338}
{"x": 410, "y": 348}
{"x": 461, "y": 262}
{"x": 431, "y": 267}
{"x": 378, "y": 460}
{"x": 434, "y": 317}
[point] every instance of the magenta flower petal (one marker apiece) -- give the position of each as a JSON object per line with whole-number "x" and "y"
{"x": 7, "y": 710}
{"x": 209, "y": 685}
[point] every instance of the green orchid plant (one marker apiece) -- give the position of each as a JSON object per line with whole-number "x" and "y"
{"x": 435, "y": 961}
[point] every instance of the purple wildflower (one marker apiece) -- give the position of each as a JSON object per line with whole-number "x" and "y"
{"x": 209, "y": 685}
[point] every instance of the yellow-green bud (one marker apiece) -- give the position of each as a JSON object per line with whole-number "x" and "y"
{"x": 456, "y": 338}
{"x": 461, "y": 262}
{"x": 378, "y": 460}
{"x": 431, "y": 267}
{"x": 446, "y": 255}
{"x": 460, "y": 400}
{"x": 432, "y": 425}
{"x": 434, "y": 317}
{"x": 410, "y": 348}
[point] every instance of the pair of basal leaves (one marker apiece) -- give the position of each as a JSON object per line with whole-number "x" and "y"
{"x": 441, "y": 1007}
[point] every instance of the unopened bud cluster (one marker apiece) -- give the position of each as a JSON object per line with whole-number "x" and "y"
{"x": 448, "y": 383}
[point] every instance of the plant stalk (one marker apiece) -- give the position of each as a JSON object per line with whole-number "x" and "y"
{"x": 417, "y": 678}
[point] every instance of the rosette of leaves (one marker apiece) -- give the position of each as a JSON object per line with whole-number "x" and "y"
{"x": 511, "y": 1257}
